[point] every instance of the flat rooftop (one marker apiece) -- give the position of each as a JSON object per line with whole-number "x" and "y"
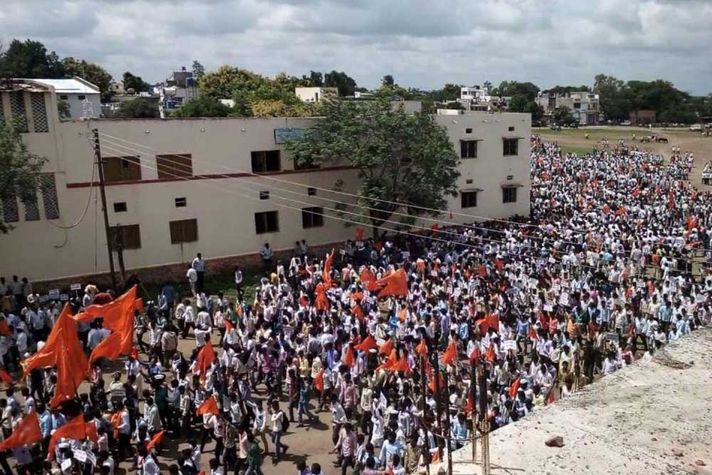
{"x": 654, "y": 417}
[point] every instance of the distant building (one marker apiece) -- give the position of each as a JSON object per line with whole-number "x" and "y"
{"x": 316, "y": 94}
{"x": 475, "y": 98}
{"x": 584, "y": 105}
{"x": 82, "y": 97}
{"x": 180, "y": 87}
{"x": 641, "y": 117}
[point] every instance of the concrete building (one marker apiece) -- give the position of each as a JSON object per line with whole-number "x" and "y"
{"x": 316, "y": 94}
{"x": 220, "y": 186}
{"x": 584, "y": 105}
{"x": 82, "y": 97}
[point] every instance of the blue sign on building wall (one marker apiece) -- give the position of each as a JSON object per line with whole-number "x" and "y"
{"x": 286, "y": 135}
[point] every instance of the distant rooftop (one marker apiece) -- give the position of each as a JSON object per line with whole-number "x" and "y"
{"x": 67, "y": 86}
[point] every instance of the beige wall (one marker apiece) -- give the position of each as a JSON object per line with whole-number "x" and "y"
{"x": 490, "y": 170}
{"x": 223, "y": 207}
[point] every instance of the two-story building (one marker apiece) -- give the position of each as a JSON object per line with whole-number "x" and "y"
{"x": 220, "y": 186}
{"x": 583, "y": 105}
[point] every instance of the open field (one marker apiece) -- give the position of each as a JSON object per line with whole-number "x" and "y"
{"x": 574, "y": 140}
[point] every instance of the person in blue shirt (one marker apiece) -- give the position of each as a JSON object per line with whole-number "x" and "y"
{"x": 390, "y": 447}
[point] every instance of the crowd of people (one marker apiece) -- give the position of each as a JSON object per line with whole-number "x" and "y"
{"x": 414, "y": 342}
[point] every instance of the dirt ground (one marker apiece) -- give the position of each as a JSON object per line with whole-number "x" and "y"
{"x": 574, "y": 140}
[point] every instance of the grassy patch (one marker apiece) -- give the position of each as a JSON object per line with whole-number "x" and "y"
{"x": 214, "y": 283}
{"x": 576, "y": 149}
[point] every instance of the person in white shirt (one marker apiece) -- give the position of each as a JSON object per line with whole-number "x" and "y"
{"x": 198, "y": 265}
{"x": 266, "y": 254}
{"x": 192, "y": 276}
{"x": 239, "y": 280}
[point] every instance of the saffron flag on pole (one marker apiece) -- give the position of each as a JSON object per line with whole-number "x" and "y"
{"x": 319, "y": 381}
{"x": 514, "y": 388}
{"x": 206, "y": 357}
{"x": 155, "y": 440}
{"x": 5, "y": 377}
{"x": 72, "y": 368}
{"x": 208, "y": 407}
{"x": 422, "y": 348}
{"x": 75, "y": 429}
{"x": 386, "y": 348}
{"x": 26, "y": 432}
{"x": 46, "y": 357}
{"x": 326, "y": 274}
{"x": 114, "y": 313}
{"x": 348, "y": 359}
{"x": 369, "y": 343}
{"x": 395, "y": 284}
{"x": 450, "y": 355}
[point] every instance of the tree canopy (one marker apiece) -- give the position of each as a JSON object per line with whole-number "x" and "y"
{"x": 404, "y": 160}
{"x": 93, "y": 73}
{"x": 20, "y": 169}
{"x": 203, "y": 106}
{"x": 139, "y": 108}
{"x": 135, "y": 83}
{"x": 30, "y": 59}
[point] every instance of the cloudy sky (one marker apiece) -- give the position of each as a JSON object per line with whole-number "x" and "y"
{"x": 422, "y": 43}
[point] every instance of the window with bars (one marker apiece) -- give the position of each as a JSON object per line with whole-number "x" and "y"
{"x": 48, "y": 186}
{"x": 17, "y": 108}
{"x": 312, "y": 217}
{"x": 468, "y": 148}
{"x": 468, "y": 199}
{"x": 39, "y": 112}
{"x": 125, "y": 237}
{"x": 174, "y": 166}
{"x": 122, "y": 169}
{"x": 510, "y": 147}
{"x": 10, "y": 212}
{"x": 509, "y": 194}
{"x": 184, "y": 230}
{"x": 266, "y": 222}
{"x": 266, "y": 161}
{"x": 32, "y": 209}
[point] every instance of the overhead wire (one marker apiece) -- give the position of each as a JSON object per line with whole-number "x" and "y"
{"x": 360, "y": 205}
{"x": 549, "y": 240}
{"x": 393, "y": 230}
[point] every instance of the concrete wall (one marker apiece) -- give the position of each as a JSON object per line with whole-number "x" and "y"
{"x": 76, "y": 105}
{"x": 490, "y": 171}
{"x": 224, "y": 206}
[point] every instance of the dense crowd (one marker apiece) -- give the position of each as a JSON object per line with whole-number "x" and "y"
{"x": 413, "y": 342}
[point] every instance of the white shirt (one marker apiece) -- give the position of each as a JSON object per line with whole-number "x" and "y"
{"x": 192, "y": 275}
{"x": 198, "y": 264}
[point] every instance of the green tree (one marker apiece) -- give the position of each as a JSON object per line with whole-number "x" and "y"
{"x": 135, "y": 83}
{"x": 404, "y": 160}
{"x": 514, "y": 88}
{"x": 198, "y": 70}
{"x": 204, "y": 106}
{"x": 563, "y": 116}
{"x": 139, "y": 108}
{"x": 614, "y": 97}
{"x": 387, "y": 80}
{"x": 345, "y": 83}
{"x": 518, "y": 103}
{"x": 93, "y": 73}
{"x": 30, "y": 59}
{"x": 20, "y": 169}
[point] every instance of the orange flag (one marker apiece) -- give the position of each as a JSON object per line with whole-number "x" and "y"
{"x": 348, "y": 357}
{"x": 358, "y": 312}
{"x": 369, "y": 343}
{"x": 368, "y": 280}
{"x": 482, "y": 271}
{"x": 25, "y": 433}
{"x": 492, "y": 321}
{"x": 114, "y": 313}
{"x": 440, "y": 384}
{"x": 422, "y": 348}
{"x": 475, "y": 354}
{"x": 470, "y": 406}
{"x": 551, "y": 397}
{"x": 490, "y": 355}
{"x": 208, "y": 407}
{"x": 591, "y": 328}
{"x": 532, "y": 333}
{"x": 46, "y": 357}
{"x": 403, "y": 314}
{"x": 514, "y": 388}
{"x": 155, "y": 440}
{"x": 4, "y": 327}
{"x": 321, "y": 303}
{"x": 206, "y": 357}
{"x": 326, "y": 274}
{"x": 396, "y": 284}
{"x": 436, "y": 457}
{"x": 74, "y": 429}
{"x": 386, "y": 348}
{"x": 72, "y": 368}
{"x": 400, "y": 365}
{"x": 6, "y": 378}
{"x": 360, "y": 234}
{"x": 228, "y": 326}
{"x": 319, "y": 381}
{"x": 450, "y": 355}
{"x": 109, "y": 348}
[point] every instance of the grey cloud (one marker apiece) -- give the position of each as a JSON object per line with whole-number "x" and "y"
{"x": 423, "y": 43}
